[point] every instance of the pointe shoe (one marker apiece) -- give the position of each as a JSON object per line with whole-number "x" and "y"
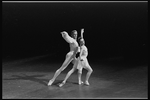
{"x": 63, "y": 83}
{"x": 80, "y": 83}
{"x": 50, "y": 82}
{"x": 87, "y": 83}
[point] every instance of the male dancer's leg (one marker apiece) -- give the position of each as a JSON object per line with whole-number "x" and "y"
{"x": 69, "y": 73}
{"x": 64, "y": 65}
{"x": 67, "y": 76}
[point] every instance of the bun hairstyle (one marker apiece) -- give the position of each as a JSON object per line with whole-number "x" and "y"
{"x": 81, "y": 39}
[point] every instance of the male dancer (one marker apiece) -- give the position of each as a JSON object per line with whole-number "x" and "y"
{"x": 74, "y": 48}
{"x": 80, "y": 63}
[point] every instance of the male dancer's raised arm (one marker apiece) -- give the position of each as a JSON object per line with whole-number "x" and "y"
{"x": 67, "y": 37}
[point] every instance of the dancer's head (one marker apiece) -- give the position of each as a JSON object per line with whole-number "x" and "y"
{"x": 82, "y": 42}
{"x": 74, "y": 34}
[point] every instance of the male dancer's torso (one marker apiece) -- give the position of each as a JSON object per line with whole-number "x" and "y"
{"x": 74, "y": 47}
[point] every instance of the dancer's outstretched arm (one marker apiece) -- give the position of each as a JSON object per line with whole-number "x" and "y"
{"x": 66, "y": 37}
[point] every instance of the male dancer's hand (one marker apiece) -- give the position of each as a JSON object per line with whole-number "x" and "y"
{"x": 63, "y": 32}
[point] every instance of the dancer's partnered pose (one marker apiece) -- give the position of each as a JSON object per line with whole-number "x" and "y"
{"x": 80, "y": 63}
{"x": 74, "y": 48}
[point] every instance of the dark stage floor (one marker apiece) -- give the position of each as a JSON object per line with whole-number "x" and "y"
{"x": 27, "y": 79}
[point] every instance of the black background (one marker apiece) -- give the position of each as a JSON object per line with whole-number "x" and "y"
{"x": 111, "y": 29}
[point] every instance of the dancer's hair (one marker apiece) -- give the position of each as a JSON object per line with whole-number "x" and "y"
{"x": 73, "y": 32}
{"x": 81, "y": 39}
